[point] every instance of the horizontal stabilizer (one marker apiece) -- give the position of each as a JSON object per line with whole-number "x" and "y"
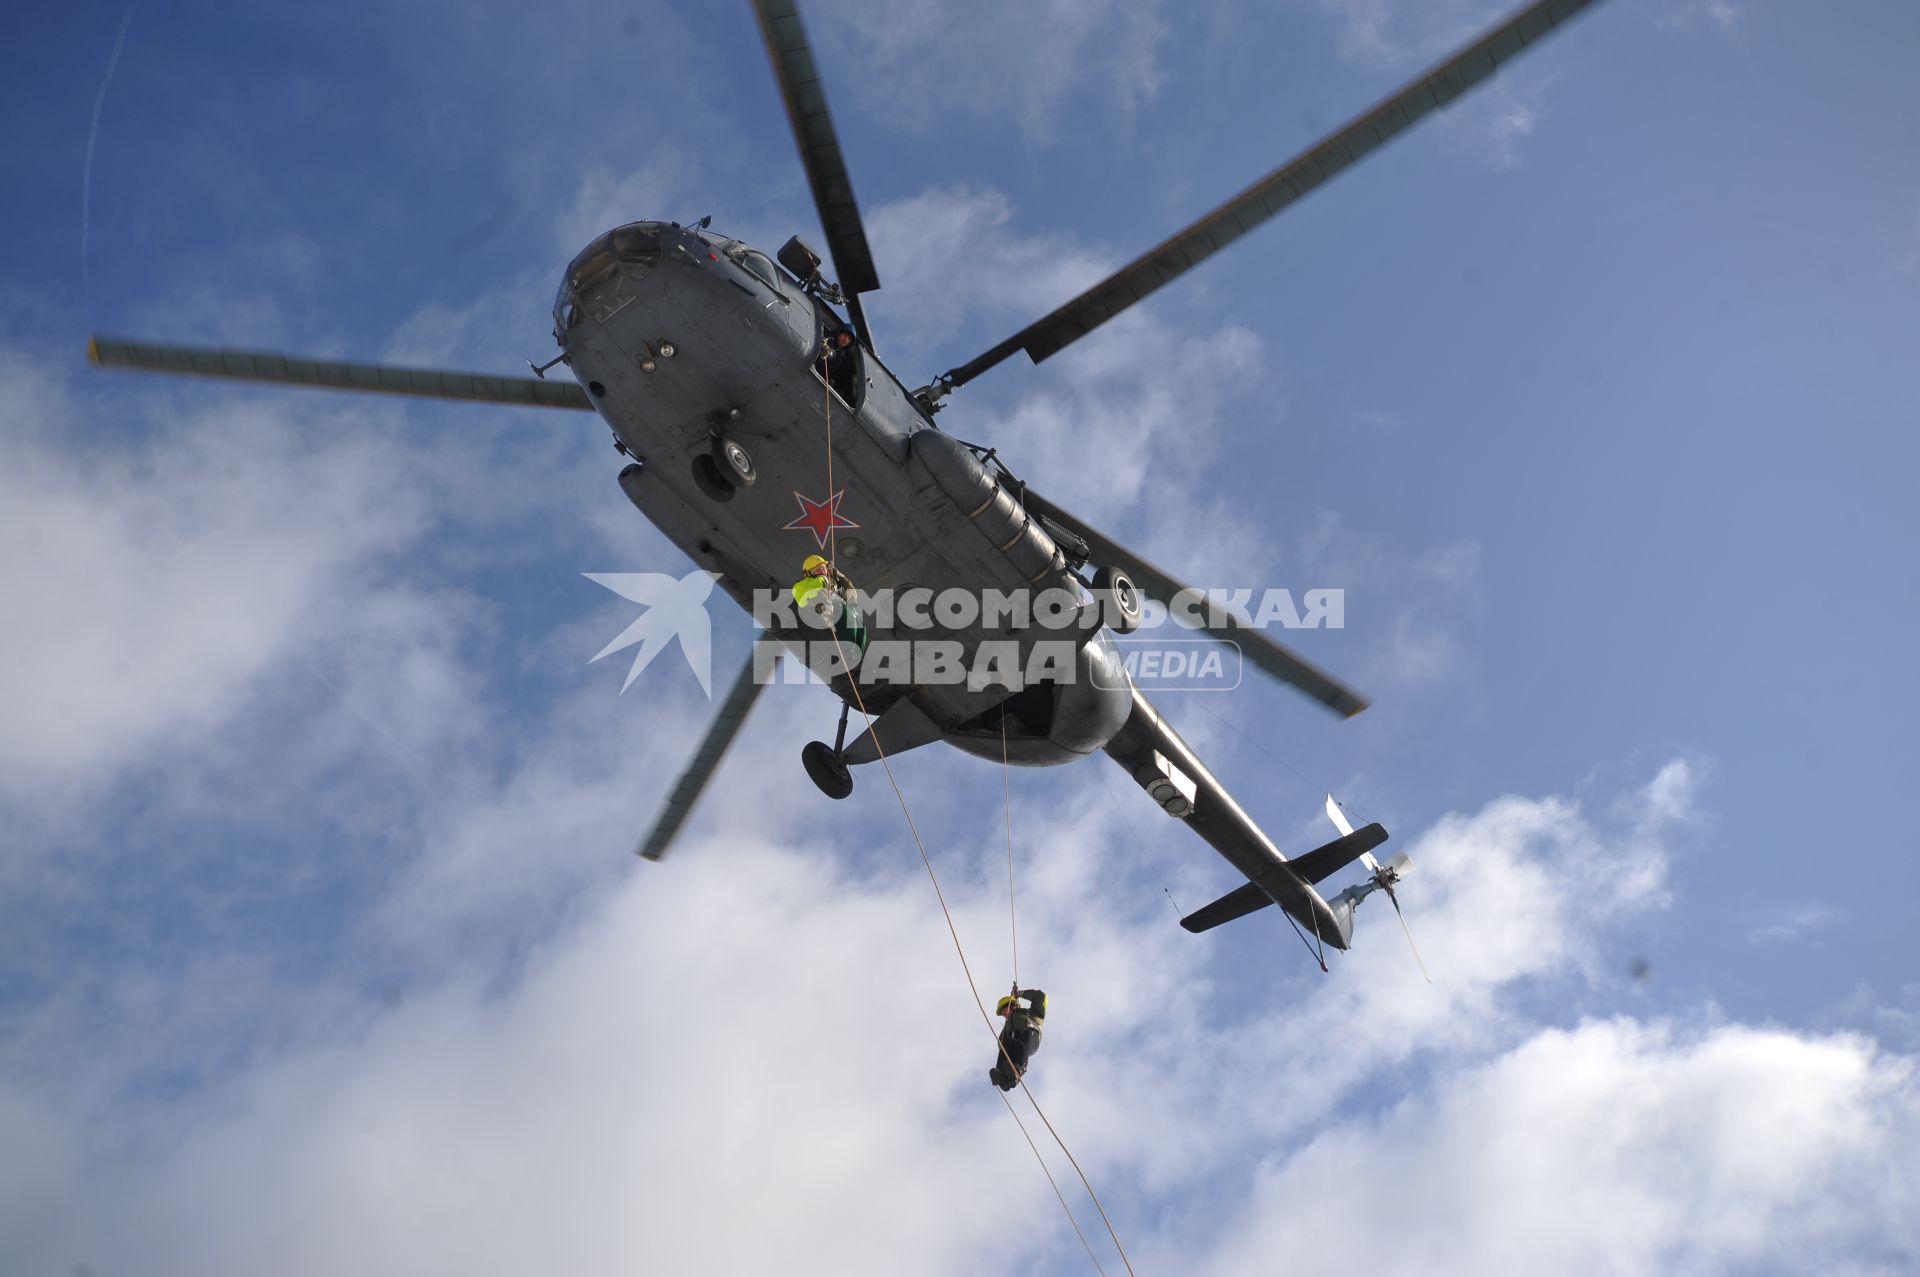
{"x": 1318, "y": 864}
{"x": 1237, "y": 903}
{"x": 1323, "y": 862}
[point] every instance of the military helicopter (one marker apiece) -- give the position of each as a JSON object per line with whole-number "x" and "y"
{"x": 731, "y": 383}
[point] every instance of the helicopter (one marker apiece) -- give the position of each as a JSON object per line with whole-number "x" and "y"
{"x": 760, "y": 422}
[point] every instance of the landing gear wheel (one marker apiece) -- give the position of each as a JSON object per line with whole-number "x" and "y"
{"x": 1120, "y": 599}
{"x": 734, "y": 462}
{"x": 711, "y": 479}
{"x": 826, "y": 769}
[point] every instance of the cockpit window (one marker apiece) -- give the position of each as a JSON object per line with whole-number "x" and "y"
{"x": 756, "y": 262}
{"x": 590, "y": 269}
{"x": 638, "y": 243}
{"x": 593, "y": 259}
{"x": 752, "y": 260}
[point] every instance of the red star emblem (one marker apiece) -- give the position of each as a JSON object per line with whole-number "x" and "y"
{"x": 820, "y": 517}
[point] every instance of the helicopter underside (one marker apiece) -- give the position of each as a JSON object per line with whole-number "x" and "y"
{"x": 686, "y": 342}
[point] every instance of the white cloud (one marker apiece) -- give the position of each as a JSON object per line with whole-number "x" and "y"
{"x": 1512, "y": 121}
{"x": 1792, "y": 923}
{"x": 1613, "y": 1147}
{"x": 1390, "y": 35}
{"x": 701, "y": 1066}
{"x": 1009, "y": 274}
{"x": 248, "y": 601}
{"x": 1129, "y": 417}
{"x": 744, "y": 1065}
{"x": 914, "y": 66}
{"x": 1414, "y": 653}
{"x": 606, "y": 198}
{"x": 1393, "y": 34}
{"x": 1496, "y": 120}
{"x": 154, "y": 590}
{"x": 1367, "y": 35}
{"x": 1679, "y": 14}
{"x": 1894, "y": 1021}
{"x": 1406, "y": 606}
{"x": 1418, "y": 647}
{"x": 253, "y": 292}
{"x": 1456, "y": 564}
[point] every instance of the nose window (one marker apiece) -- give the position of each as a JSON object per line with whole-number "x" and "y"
{"x": 593, "y": 259}
{"x": 638, "y": 244}
{"x": 591, "y": 269}
{"x": 607, "y": 296}
{"x": 762, "y": 269}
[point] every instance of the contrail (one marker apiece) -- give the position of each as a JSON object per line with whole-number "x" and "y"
{"x": 93, "y": 131}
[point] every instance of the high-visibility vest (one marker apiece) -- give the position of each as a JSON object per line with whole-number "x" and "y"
{"x": 806, "y": 587}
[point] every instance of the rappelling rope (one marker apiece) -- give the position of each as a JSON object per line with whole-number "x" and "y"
{"x": 953, "y": 931}
{"x": 1006, "y": 789}
{"x": 833, "y": 507}
{"x": 967, "y": 968}
{"x": 1053, "y": 1184}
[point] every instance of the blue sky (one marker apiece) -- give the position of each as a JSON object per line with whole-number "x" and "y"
{"x": 320, "y": 945}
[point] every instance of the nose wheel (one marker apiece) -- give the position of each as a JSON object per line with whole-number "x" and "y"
{"x": 724, "y": 469}
{"x": 827, "y": 766}
{"x": 734, "y": 462}
{"x": 827, "y": 769}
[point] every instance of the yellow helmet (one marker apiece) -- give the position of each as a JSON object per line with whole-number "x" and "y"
{"x": 813, "y": 561}
{"x": 1000, "y": 1008}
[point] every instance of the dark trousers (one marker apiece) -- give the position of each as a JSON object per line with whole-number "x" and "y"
{"x": 1019, "y": 1042}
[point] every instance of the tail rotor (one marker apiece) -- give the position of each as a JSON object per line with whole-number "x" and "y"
{"x": 1379, "y": 878}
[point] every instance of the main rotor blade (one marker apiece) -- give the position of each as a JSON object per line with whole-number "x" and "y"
{"x": 1220, "y": 623}
{"x": 726, "y": 725}
{"x": 806, "y": 99}
{"x": 425, "y": 383}
{"x": 1278, "y": 189}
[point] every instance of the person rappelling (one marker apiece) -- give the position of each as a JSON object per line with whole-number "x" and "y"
{"x": 829, "y": 596}
{"x": 1024, "y": 1011}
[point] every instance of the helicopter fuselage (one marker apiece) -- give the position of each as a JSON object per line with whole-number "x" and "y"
{"x": 684, "y": 340}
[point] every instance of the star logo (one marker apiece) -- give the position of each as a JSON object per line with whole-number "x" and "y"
{"x": 820, "y": 517}
{"x": 676, "y": 608}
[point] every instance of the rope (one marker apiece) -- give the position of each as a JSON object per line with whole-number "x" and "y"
{"x": 1140, "y": 846}
{"x": 833, "y": 507}
{"x": 853, "y": 684}
{"x": 1053, "y": 1184}
{"x": 1006, "y": 789}
{"x": 967, "y": 968}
